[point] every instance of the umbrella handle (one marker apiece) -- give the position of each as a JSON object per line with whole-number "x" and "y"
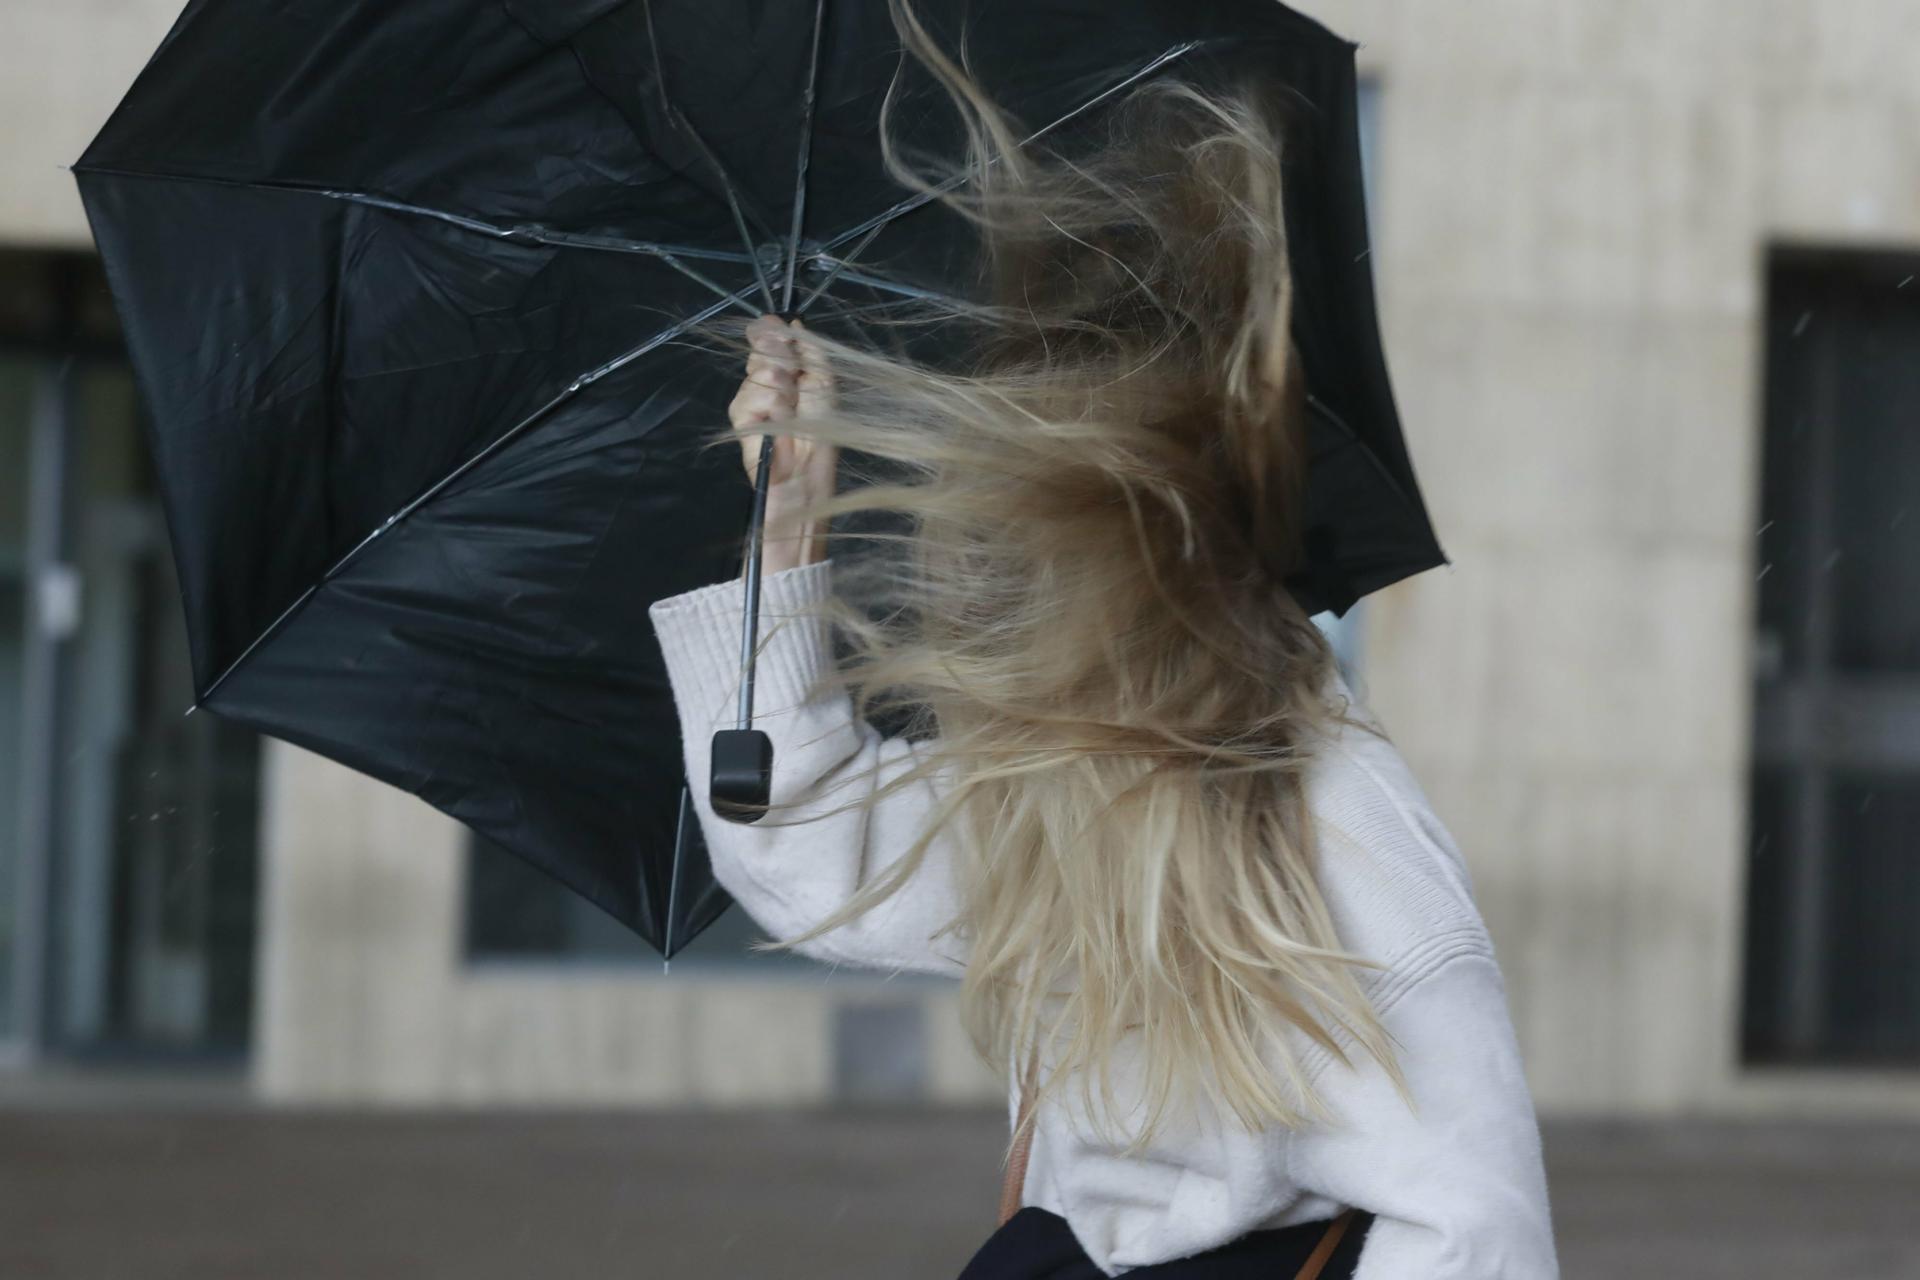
{"x": 740, "y": 777}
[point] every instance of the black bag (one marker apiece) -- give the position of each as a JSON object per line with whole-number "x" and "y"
{"x": 1037, "y": 1245}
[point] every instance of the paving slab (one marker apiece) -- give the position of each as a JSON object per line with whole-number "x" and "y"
{"x": 210, "y": 1190}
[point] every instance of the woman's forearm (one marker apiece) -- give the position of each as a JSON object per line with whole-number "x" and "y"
{"x": 793, "y": 871}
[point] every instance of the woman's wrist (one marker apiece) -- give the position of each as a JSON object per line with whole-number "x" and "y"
{"x": 786, "y": 544}
{"x": 791, "y": 551}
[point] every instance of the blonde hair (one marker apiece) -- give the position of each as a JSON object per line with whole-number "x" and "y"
{"x": 1083, "y": 613}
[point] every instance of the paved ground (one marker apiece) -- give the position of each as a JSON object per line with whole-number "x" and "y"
{"x": 211, "y": 1191}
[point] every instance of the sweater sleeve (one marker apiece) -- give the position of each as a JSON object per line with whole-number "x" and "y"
{"x": 1458, "y": 1188}
{"x": 796, "y": 867}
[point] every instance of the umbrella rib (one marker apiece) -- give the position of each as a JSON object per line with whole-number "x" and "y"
{"x": 1379, "y": 465}
{"x": 680, "y": 122}
{"x": 919, "y": 198}
{"x": 719, "y": 290}
{"x": 840, "y": 265}
{"x": 535, "y": 233}
{"x": 527, "y": 232}
{"x": 865, "y": 232}
{"x": 840, "y": 268}
{"x": 437, "y": 487}
{"x": 673, "y": 878}
{"x": 733, "y": 199}
{"x": 804, "y": 157}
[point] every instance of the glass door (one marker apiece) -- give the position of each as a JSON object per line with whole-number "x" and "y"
{"x": 127, "y": 828}
{"x": 16, "y": 398}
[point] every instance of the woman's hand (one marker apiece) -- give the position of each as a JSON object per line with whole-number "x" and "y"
{"x": 787, "y": 374}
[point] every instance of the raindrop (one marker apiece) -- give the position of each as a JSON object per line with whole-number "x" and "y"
{"x": 1898, "y": 518}
{"x": 1763, "y": 528}
{"x": 1866, "y": 801}
{"x": 1833, "y": 558}
{"x": 1800, "y": 326}
{"x": 1904, "y": 283}
{"x": 1765, "y": 569}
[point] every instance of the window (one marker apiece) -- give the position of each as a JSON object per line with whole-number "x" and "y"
{"x": 517, "y": 912}
{"x": 127, "y": 830}
{"x": 1833, "y": 960}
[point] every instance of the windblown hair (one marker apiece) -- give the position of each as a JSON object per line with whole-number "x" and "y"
{"x": 1085, "y": 616}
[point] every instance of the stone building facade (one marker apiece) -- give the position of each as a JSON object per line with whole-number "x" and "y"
{"x": 1587, "y": 218}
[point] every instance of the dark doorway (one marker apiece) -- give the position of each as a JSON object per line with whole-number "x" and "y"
{"x": 129, "y": 848}
{"x": 1833, "y": 951}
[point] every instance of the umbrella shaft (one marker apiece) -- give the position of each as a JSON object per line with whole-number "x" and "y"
{"x": 750, "y": 620}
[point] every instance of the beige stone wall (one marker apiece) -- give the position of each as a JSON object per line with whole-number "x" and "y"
{"x": 1574, "y": 200}
{"x": 364, "y": 997}
{"x": 64, "y": 64}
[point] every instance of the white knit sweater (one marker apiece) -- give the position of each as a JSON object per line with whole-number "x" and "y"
{"x": 1457, "y": 1190}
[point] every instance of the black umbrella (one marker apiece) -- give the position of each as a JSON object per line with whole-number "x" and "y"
{"x": 402, "y": 282}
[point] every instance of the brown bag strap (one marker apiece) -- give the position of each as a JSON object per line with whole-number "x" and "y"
{"x": 1013, "y": 1186}
{"x": 1317, "y": 1260}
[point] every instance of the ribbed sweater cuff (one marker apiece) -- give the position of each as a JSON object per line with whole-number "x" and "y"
{"x": 699, "y": 633}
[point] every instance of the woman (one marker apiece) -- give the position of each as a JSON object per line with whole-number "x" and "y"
{"x": 1204, "y": 920}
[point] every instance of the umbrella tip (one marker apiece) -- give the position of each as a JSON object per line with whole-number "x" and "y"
{"x": 666, "y": 967}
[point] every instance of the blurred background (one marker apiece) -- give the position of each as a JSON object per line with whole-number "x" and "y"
{"x": 1648, "y": 271}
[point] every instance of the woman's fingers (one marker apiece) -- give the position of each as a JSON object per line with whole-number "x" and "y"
{"x": 771, "y": 351}
{"x": 774, "y": 369}
{"x": 757, "y": 402}
{"x": 787, "y": 374}
{"x": 767, "y": 394}
{"x": 768, "y": 391}
{"x": 813, "y": 387}
{"x": 767, "y": 328}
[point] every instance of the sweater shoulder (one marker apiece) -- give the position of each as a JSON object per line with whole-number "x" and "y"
{"x": 1395, "y": 882}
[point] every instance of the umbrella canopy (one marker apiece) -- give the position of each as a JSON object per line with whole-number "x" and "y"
{"x": 402, "y": 284}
